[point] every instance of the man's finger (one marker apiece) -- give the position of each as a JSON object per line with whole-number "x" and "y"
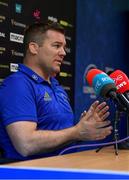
{"x": 102, "y": 124}
{"x": 104, "y": 117}
{"x": 100, "y": 107}
{"x": 103, "y": 111}
{"x": 95, "y": 104}
{"x": 92, "y": 108}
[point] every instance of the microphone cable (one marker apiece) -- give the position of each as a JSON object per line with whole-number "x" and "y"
{"x": 93, "y": 145}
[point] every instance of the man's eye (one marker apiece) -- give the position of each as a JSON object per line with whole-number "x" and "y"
{"x": 57, "y": 45}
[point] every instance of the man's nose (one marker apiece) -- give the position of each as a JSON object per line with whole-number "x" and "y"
{"x": 62, "y": 52}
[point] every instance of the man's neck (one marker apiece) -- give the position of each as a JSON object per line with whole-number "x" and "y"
{"x": 38, "y": 71}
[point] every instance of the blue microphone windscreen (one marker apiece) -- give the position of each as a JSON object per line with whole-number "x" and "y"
{"x": 100, "y": 81}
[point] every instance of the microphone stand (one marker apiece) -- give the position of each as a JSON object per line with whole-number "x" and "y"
{"x": 116, "y": 134}
{"x": 116, "y": 123}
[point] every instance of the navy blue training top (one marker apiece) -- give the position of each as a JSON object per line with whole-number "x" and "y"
{"x": 25, "y": 95}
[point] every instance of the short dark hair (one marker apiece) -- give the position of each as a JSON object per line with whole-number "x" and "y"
{"x": 34, "y": 32}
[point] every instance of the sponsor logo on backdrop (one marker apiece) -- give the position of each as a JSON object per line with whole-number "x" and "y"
{"x": 2, "y": 34}
{"x": 2, "y": 18}
{"x": 62, "y": 22}
{"x": 51, "y": 18}
{"x": 67, "y": 88}
{"x": 4, "y": 66}
{"x": 68, "y": 50}
{"x": 65, "y": 23}
{"x": 13, "y": 67}
{"x": 16, "y": 53}
{"x": 1, "y": 80}
{"x": 37, "y": 14}
{"x": 2, "y": 50}
{"x": 16, "y": 37}
{"x": 16, "y": 23}
{"x": 66, "y": 62}
{"x": 68, "y": 38}
{"x": 3, "y": 4}
{"x": 18, "y": 8}
{"x": 65, "y": 74}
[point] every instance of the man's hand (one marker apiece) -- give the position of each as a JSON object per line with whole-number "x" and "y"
{"x": 93, "y": 123}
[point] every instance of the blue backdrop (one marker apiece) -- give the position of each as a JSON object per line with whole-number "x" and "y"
{"x": 103, "y": 42}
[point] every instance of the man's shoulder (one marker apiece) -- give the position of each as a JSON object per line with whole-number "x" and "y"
{"x": 15, "y": 79}
{"x": 14, "y": 75}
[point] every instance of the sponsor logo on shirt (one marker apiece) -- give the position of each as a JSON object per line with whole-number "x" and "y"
{"x": 47, "y": 97}
{"x": 35, "y": 77}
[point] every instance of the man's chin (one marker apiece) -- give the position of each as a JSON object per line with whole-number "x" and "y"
{"x": 55, "y": 72}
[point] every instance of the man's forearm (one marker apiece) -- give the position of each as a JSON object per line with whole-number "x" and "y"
{"x": 45, "y": 141}
{"x": 29, "y": 141}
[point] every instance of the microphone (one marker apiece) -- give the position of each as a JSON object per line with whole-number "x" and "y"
{"x": 105, "y": 86}
{"x": 102, "y": 84}
{"x": 91, "y": 74}
{"x": 121, "y": 81}
{"x": 122, "y": 85}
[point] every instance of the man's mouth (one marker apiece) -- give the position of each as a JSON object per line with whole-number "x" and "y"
{"x": 58, "y": 62}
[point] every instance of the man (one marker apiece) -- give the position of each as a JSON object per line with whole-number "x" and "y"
{"x": 36, "y": 119}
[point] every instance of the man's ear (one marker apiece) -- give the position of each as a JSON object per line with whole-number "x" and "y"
{"x": 33, "y": 48}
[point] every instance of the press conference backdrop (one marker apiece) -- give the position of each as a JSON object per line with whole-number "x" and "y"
{"x": 102, "y": 42}
{"x": 16, "y": 15}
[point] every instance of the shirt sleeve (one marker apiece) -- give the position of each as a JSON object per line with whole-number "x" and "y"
{"x": 18, "y": 101}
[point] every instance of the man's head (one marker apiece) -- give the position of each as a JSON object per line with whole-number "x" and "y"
{"x": 45, "y": 45}
{"x": 37, "y": 32}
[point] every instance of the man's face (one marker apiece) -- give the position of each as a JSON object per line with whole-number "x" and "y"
{"x": 52, "y": 52}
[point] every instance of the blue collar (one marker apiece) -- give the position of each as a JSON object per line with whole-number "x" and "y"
{"x": 38, "y": 79}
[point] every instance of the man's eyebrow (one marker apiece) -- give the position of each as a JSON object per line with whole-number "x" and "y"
{"x": 58, "y": 42}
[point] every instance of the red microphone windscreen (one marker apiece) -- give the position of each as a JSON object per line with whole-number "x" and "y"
{"x": 121, "y": 81}
{"x": 91, "y": 74}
